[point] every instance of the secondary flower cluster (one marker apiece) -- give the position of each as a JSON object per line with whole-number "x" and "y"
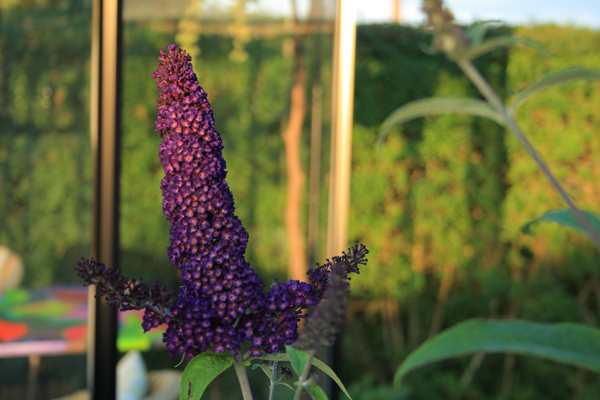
{"x": 221, "y": 301}
{"x": 325, "y": 322}
{"x": 127, "y": 294}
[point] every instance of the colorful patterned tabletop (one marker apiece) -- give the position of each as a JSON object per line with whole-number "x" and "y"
{"x": 53, "y": 320}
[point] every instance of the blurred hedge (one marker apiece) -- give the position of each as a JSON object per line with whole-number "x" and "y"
{"x": 441, "y": 209}
{"x": 431, "y": 202}
{"x": 45, "y": 163}
{"x": 448, "y": 193}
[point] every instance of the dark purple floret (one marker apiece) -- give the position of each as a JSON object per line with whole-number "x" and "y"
{"x": 286, "y": 374}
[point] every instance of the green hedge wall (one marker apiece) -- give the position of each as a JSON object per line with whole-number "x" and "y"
{"x": 45, "y": 165}
{"x": 441, "y": 209}
{"x": 431, "y": 203}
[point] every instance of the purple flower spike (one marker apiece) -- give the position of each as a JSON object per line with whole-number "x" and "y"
{"x": 221, "y": 301}
{"x": 208, "y": 240}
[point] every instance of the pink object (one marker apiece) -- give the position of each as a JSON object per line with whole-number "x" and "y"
{"x": 40, "y": 347}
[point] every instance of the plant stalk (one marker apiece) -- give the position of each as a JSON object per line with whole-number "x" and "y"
{"x": 240, "y": 371}
{"x": 304, "y": 377}
{"x": 488, "y": 93}
{"x": 274, "y": 372}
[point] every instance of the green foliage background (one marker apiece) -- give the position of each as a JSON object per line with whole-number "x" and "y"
{"x": 439, "y": 208}
{"x": 45, "y": 164}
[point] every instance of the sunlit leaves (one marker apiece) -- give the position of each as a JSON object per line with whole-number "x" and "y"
{"x": 502, "y": 41}
{"x": 439, "y": 105}
{"x": 564, "y": 217}
{"x": 553, "y": 79}
{"x": 572, "y": 344}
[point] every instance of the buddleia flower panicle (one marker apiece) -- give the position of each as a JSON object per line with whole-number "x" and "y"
{"x": 127, "y": 294}
{"x": 208, "y": 241}
{"x": 323, "y": 325}
{"x": 221, "y": 302}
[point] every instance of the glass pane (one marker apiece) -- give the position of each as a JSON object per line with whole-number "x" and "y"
{"x": 45, "y": 196}
{"x": 244, "y": 56}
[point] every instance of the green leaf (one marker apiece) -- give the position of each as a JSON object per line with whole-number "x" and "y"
{"x": 566, "y": 218}
{"x": 438, "y": 105}
{"x": 573, "y": 344}
{"x": 273, "y": 357}
{"x": 502, "y": 41}
{"x": 297, "y": 358}
{"x": 315, "y": 362}
{"x": 552, "y": 79}
{"x": 200, "y": 372}
{"x": 287, "y": 385}
{"x": 315, "y": 391}
{"x": 266, "y": 370}
{"x": 477, "y": 31}
{"x": 325, "y": 368}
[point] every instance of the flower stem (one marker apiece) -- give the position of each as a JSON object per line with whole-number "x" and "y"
{"x": 488, "y": 93}
{"x": 304, "y": 377}
{"x": 240, "y": 370}
{"x": 274, "y": 372}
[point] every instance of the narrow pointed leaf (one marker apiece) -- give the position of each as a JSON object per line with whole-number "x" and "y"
{"x": 266, "y": 370}
{"x": 566, "y": 218}
{"x": 315, "y": 392}
{"x": 477, "y": 32}
{"x": 552, "y": 79}
{"x": 200, "y": 372}
{"x": 287, "y": 385}
{"x": 438, "y": 105}
{"x": 273, "y": 357}
{"x": 297, "y": 358}
{"x": 315, "y": 362}
{"x": 572, "y": 344}
{"x": 325, "y": 368}
{"x": 503, "y": 41}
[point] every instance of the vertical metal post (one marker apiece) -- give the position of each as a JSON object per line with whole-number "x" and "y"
{"x": 341, "y": 143}
{"x": 341, "y": 129}
{"x": 105, "y": 134}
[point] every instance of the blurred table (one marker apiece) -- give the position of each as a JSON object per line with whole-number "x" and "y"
{"x": 53, "y": 321}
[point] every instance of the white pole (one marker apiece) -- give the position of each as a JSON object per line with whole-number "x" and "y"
{"x": 341, "y": 129}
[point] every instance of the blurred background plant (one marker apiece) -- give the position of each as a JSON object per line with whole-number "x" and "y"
{"x": 440, "y": 208}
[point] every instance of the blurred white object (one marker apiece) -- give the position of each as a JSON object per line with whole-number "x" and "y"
{"x": 164, "y": 384}
{"x": 132, "y": 377}
{"x": 11, "y": 269}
